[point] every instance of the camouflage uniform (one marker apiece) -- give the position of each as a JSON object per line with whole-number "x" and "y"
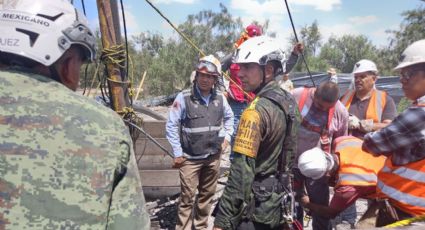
{"x": 66, "y": 162}
{"x": 258, "y": 145}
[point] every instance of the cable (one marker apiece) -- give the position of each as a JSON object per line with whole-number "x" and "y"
{"x": 149, "y": 137}
{"x": 84, "y": 7}
{"x": 296, "y": 38}
{"x": 194, "y": 46}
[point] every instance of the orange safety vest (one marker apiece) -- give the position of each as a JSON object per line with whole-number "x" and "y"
{"x": 404, "y": 185}
{"x": 356, "y": 167}
{"x": 304, "y": 106}
{"x": 376, "y": 106}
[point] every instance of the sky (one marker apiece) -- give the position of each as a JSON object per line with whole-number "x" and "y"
{"x": 335, "y": 17}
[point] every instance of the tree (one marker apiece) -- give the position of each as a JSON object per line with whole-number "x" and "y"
{"x": 342, "y": 53}
{"x": 411, "y": 29}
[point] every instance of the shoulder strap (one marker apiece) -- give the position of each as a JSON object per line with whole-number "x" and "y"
{"x": 287, "y": 104}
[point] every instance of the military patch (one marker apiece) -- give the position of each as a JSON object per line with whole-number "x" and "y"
{"x": 248, "y": 138}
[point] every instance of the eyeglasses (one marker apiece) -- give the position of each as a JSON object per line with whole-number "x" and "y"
{"x": 208, "y": 66}
{"x": 407, "y": 74}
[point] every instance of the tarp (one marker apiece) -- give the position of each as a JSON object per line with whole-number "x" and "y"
{"x": 390, "y": 84}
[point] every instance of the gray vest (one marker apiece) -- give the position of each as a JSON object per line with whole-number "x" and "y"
{"x": 202, "y": 124}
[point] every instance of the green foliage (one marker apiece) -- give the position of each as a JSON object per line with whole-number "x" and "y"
{"x": 342, "y": 53}
{"x": 169, "y": 62}
{"x": 403, "y": 104}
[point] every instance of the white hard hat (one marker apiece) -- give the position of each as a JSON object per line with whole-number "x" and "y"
{"x": 365, "y": 65}
{"x": 209, "y": 65}
{"x": 314, "y": 163}
{"x": 261, "y": 50}
{"x": 42, "y": 30}
{"x": 413, "y": 54}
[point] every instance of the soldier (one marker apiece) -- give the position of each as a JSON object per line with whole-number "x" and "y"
{"x": 66, "y": 162}
{"x": 265, "y": 141}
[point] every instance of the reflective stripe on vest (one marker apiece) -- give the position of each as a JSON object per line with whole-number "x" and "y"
{"x": 356, "y": 167}
{"x": 376, "y": 105}
{"x": 201, "y": 129}
{"x": 404, "y": 186}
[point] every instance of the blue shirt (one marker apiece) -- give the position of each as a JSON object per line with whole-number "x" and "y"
{"x": 178, "y": 112}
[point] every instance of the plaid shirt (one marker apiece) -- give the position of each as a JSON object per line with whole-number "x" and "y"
{"x": 403, "y": 139}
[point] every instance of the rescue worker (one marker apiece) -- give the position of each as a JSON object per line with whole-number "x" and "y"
{"x": 332, "y": 75}
{"x": 401, "y": 181}
{"x": 197, "y": 136}
{"x": 355, "y": 172}
{"x": 286, "y": 83}
{"x": 265, "y": 142}
{"x": 324, "y": 118}
{"x": 370, "y": 109}
{"x": 237, "y": 98}
{"x": 66, "y": 162}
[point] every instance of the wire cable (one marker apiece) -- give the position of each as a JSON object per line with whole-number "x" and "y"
{"x": 194, "y": 45}
{"x": 296, "y": 38}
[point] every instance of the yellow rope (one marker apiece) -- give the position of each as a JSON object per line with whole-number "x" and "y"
{"x": 406, "y": 222}
{"x": 194, "y": 45}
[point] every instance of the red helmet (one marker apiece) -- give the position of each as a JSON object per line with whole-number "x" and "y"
{"x": 253, "y": 30}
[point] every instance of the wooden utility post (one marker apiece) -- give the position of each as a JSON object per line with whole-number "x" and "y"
{"x": 111, "y": 38}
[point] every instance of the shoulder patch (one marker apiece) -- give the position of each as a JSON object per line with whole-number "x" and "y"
{"x": 248, "y": 136}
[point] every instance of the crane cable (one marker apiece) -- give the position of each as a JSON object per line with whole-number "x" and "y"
{"x": 296, "y": 38}
{"x": 195, "y": 46}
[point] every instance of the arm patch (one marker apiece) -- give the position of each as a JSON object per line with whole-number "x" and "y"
{"x": 248, "y": 136}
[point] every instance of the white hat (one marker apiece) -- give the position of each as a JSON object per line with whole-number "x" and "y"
{"x": 413, "y": 54}
{"x": 261, "y": 50}
{"x": 44, "y": 29}
{"x": 314, "y": 163}
{"x": 365, "y": 65}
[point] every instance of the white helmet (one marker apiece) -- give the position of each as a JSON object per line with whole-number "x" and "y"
{"x": 314, "y": 163}
{"x": 413, "y": 54}
{"x": 209, "y": 65}
{"x": 261, "y": 50}
{"x": 42, "y": 30}
{"x": 365, "y": 66}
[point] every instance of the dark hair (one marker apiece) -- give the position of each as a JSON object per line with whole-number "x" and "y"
{"x": 277, "y": 67}
{"x": 419, "y": 66}
{"x": 327, "y": 91}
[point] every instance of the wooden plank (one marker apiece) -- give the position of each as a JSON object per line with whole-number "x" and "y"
{"x": 160, "y": 178}
{"x": 147, "y": 147}
{"x": 155, "y": 162}
{"x": 154, "y": 128}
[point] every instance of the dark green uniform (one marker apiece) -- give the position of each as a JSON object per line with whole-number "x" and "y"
{"x": 259, "y": 142}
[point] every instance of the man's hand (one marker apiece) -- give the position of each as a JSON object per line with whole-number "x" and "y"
{"x": 298, "y": 48}
{"x": 224, "y": 145}
{"x": 304, "y": 201}
{"x": 217, "y": 228}
{"x": 366, "y": 126}
{"x": 178, "y": 162}
{"x": 353, "y": 122}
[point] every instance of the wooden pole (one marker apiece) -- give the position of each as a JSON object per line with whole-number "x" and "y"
{"x": 140, "y": 86}
{"x": 111, "y": 37}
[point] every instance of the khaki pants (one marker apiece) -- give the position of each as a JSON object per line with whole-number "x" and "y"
{"x": 198, "y": 175}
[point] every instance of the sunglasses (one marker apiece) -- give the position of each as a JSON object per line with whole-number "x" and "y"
{"x": 208, "y": 67}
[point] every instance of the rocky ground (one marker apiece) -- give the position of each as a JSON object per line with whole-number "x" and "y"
{"x": 164, "y": 211}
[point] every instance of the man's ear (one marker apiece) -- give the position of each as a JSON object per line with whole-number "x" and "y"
{"x": 67, "y": 66}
